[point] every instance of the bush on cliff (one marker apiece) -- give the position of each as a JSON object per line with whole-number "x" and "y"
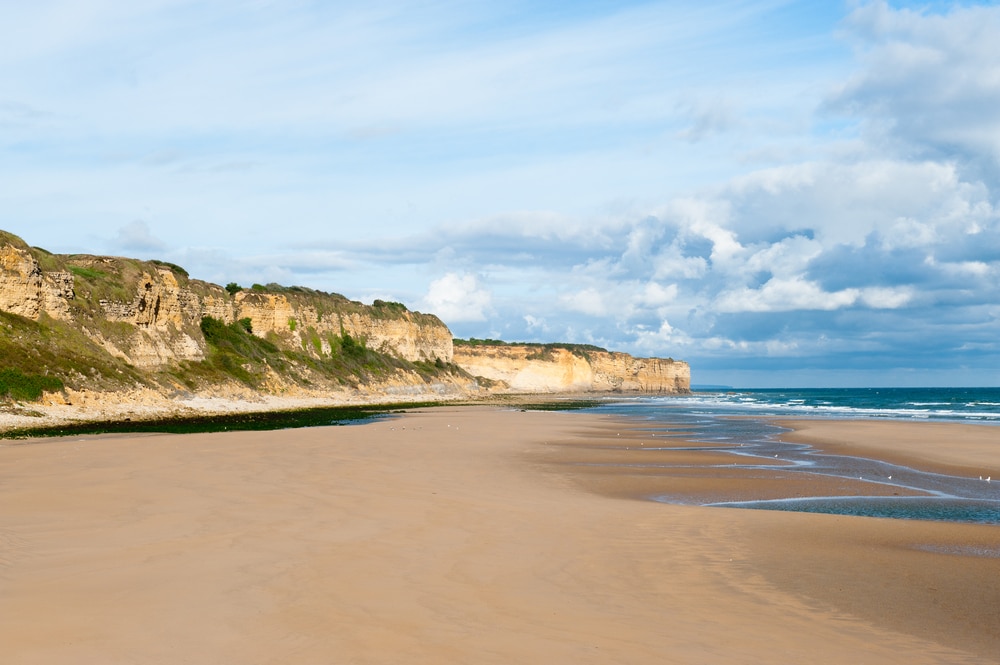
{"x": 236, "y": 351}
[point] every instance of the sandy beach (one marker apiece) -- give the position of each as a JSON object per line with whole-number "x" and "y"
{"x": 465, "y": 535}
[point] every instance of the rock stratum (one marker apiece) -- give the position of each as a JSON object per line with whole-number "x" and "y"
{"x": 570, "y": 369}
{"x": 121, "y": 337}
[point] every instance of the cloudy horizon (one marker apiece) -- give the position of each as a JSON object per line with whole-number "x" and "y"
{"x": 781, "y": 195}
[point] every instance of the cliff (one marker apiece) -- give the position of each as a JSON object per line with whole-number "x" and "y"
{"x": 98, "y": 323}
{"x": 119, "y": 338}
{"x": 551, "y": 368}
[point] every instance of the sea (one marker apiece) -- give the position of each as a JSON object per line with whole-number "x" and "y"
{"x": 743, "y": 418}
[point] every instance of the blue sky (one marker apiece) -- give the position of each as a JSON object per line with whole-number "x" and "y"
{"x": 781, "y": 193}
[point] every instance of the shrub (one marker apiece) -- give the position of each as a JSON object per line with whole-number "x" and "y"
{"x": 389, "y": 306}
{"x": 233, "y": 288}
{"x": 234, "y": 349}
{"x": 352, "y": 348}
{"x": 172, "y": 267}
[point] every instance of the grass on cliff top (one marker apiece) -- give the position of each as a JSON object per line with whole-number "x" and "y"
{"x": 334, "y": 303}
{"x": 97, "y": 278}
{"x": 576, "y": 349}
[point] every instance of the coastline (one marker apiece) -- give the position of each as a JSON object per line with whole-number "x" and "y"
{"x": 150, "y": 407}
{"x": 438, "y": 536}
{"x": 141, "y": 411}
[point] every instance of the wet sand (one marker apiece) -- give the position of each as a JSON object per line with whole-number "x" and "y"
{"x": 952, "y": 448}
{"x": 455, "y": 535}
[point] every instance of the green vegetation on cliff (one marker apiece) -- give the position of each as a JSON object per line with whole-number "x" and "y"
{"x": 235, "y": 352}
{"x": 575, "y": 349}
{"x": 52, "y": 355}
{"x": 28, "y": 387}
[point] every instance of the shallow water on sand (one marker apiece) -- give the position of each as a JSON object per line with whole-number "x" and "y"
{"x": 911, "y": 507}
{"x": 754, "y": 442}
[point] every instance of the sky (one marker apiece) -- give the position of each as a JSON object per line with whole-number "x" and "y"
{"x": 781, "y": 193}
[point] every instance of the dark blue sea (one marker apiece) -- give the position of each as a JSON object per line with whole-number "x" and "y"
{"x": 741, "y": 418}
{"x": 954, "y": 404}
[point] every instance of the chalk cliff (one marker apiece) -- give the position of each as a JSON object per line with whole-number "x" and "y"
{"x": 531, "y": 368}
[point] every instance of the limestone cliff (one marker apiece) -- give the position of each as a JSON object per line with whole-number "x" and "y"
{"x": 538, "y": 368}
{"x": 142, "y": 322}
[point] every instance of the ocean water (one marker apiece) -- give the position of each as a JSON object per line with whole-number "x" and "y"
{"x": 709, "y": 417}
{"x": 954, "y": 404}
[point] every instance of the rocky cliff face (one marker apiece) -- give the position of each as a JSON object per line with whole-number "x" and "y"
{"x": 103, "y": 323}
{"x": 28, "y": 291}
{"x": 312, "y": 321}
{"x": 542, "y": 369}
{"x": 162, "y": 309}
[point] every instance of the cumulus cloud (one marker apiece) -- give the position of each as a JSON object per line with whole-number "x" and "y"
{"x": 929, "y": 82}
{"x": 705, "y": 119}
{"x": 783, "y": 295}
{"x": 587, "y": 301}
{"x": 458, "y": 297}
{"x": 535, "y": 323}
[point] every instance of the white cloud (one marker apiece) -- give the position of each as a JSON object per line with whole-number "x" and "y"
{"x": 458, "y": 297}
{"x": 672, "y": 264}
{"x": 657, "y": 295}
{"x": 929, "y": 81}
{"x": 886, "y": 298}
{"x": 785, "y": 295}
{"x": 137, "y": 237}
{"x": 661, "y": 341}
{"x": 588, "y": 301}
{"x": 706, "y": 118}
{"x": 535, "y": 323}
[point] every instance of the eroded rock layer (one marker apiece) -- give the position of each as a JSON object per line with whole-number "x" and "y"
{"x": 546, "y": 369}
{"x": 163, "y": 309}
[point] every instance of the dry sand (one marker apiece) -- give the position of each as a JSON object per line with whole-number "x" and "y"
{"x": 452, "y": 535}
